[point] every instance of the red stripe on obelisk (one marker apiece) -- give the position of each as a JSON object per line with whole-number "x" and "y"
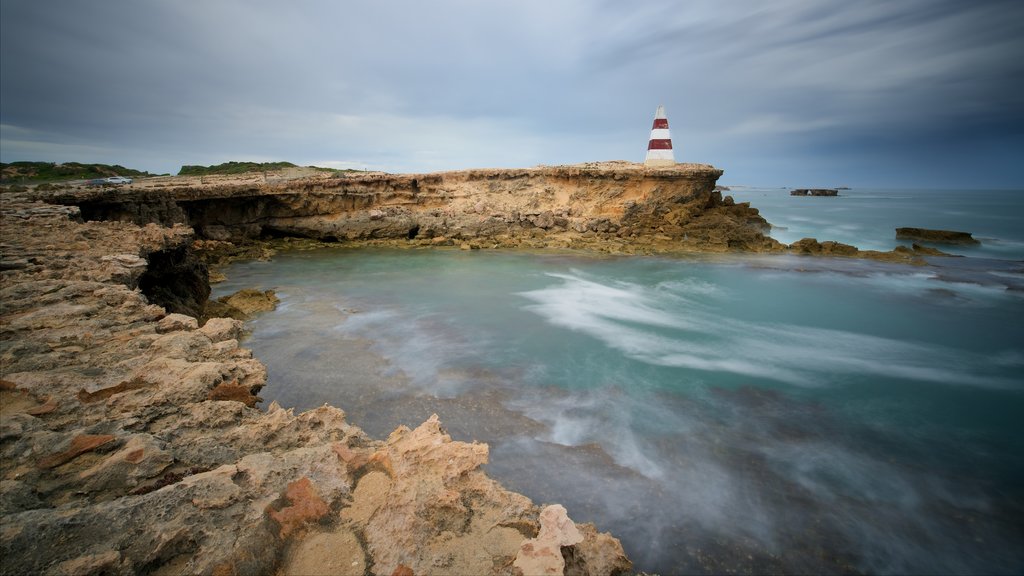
{"x": 659, "y": 145}
{"x": 660, "y": 123}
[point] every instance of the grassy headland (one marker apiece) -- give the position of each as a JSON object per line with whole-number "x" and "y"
{"x": 244, "y": 167}
{"x": 27, "y": 172}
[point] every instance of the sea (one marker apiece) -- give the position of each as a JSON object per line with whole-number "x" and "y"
{"x": 717, "y": 413}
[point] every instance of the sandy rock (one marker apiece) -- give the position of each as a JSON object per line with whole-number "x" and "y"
{"x": 543, "y": 554}
{"x": 176, "y": 322}
{"x": 220, "y": 329}
{"x": 326, "y": 554}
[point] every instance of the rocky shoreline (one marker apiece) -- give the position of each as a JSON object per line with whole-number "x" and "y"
{"x": 129, "y": 436}
{"x": 130, "y": 443}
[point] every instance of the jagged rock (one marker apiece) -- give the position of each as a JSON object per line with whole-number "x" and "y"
{"x": 596, "y": 553}
{"x": 414, "y": 506}
{"x": 543, "y": 554}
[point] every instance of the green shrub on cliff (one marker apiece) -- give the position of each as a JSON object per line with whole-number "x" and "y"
{"x": 52, "y": 171}
{"x": 233, "y": 168}
{"x": 244, "y": 167}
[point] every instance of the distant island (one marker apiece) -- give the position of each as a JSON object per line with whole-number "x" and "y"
{"x": 814, "y": 192}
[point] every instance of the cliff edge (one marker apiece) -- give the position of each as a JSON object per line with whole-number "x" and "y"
{"x": 617, "y": 207}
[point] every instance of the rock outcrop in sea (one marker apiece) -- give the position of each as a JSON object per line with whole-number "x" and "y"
{"x": 936, "y": 236}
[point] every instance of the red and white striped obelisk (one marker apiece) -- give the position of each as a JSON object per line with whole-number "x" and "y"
{"x": 659, "y": 149}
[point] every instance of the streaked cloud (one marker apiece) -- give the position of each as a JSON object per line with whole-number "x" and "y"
{"x": 862, "y": 92}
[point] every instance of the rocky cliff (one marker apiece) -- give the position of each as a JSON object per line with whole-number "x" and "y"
{"x": 610, "y": 206}
{"x": 130, "y": 443}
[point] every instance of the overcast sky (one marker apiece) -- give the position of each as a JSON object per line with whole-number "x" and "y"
{"x": 784, "y": 93}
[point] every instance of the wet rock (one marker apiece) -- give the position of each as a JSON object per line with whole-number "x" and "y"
{"x": 937, "y": 236}
{"x": 250, "y": 301}
{"x": 828, "y": 248}
{"x": 928, "y": 251}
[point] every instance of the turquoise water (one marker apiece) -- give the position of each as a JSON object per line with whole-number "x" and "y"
{"x": 868, "y": 218}
{"x": 717, "y": 413}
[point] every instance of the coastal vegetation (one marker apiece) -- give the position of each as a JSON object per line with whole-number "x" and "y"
{"x": 245, "y": 167}
{"x": 31, "y": 172}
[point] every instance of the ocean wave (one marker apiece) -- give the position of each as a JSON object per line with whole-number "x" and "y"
{"x": 642, "y": 325}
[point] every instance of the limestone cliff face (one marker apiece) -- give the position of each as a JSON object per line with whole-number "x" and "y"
{"x": 612, "y": 206}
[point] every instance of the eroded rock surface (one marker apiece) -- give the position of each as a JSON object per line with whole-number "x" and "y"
{"x": 130, "y": 443}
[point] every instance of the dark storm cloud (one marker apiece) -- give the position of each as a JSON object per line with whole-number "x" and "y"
{"x": 763, "y": 90}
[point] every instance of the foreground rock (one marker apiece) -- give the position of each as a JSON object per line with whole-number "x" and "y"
{"x": 936, "y": 236}
{"x": 130, "y": 443}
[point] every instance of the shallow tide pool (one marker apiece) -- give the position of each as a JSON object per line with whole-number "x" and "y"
{"x": 715, "y": 413}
